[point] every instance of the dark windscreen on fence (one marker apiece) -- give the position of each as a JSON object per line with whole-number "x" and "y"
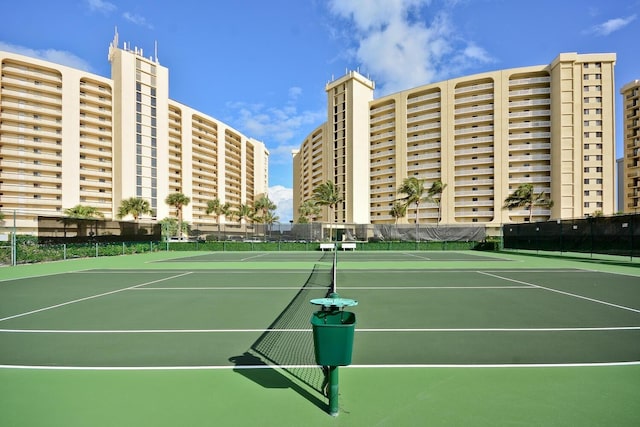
{"x": 614, "y": 235}
{"x": 74, "y": 230}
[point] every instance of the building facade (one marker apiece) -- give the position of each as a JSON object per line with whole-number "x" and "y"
{"x": 482, "y": 136}
{"x": 630, "y": 176}
{"x": 68, "y": 137}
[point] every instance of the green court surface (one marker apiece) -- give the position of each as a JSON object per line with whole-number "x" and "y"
{"x": 224, "y": 338}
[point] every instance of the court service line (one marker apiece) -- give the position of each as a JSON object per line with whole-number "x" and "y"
{"x": 91, "y": 297}
{"x": 562, "y": 292}
{"x": 359, "y": 330}
{"x": 376, "y": 366}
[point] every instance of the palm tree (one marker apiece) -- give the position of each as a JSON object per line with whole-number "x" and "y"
{"x": 262, "y": 207}
{"x": 398, "y": 211}
{"x": 80, "y": 212}
{"x": 217, "y": 208}
{"x": 413, "y": 188}
{"x": 434, "y": 194}
{"x": 83, "y": 212}
{"x": 135, "y": 206}
{"x": 244, "y": 213}
{"x": 327, "y": 194}
{"x": 525, "y": 197}
{"x": 264, "y": 212}
{"x": 308, "y": 210}
{"x": 178, "y": 200}
{"x": 269, "y": 219}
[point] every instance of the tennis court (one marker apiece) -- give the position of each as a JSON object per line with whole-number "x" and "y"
{"x": 224, "y": 338}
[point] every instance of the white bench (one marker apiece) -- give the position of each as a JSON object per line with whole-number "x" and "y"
{"x": 329, "y": 246}
{"x": 349, "y": 245}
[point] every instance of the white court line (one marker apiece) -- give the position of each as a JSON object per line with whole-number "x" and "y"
{"x": 145, "y": 331}
{"x": 276, "y": 288}
{"x": 11, "y": 279}
{"x": 90, "y": 297}
{"x": 241, "y": 367}
{"x": 191, "y": 331}
{"x": 241, "y": 288}
{"x": 562, "y": 292}
{"x": 255, "y": 256}
{"x": 206, "y": 272}
{"x": 417, "y": 256}
{"x": 433, "y": 287}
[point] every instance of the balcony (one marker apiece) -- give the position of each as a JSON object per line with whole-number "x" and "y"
{"x": 384, "y": 117}
{"x": 474, "y": 130}
{"x": 380, "y": 136}
{"x": 423, "y": 98}
{"x": 425, "y": 107}
{"x": 424, "y": 137}
{"x": 472, "y": 151}
{"x": 432, "y": 116}
{"x": 530, "y": 135}
{"x": 483, "y": 87}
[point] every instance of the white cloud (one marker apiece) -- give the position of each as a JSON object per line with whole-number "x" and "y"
{"x": 399, "y": 48}
{"x": 278, "y": 127}
{"x": 283, "y": 198}
{"x": 52, "y": 55}
{"x": 101, "y": 6}
{"x": 137, "y": 20}
{"x": 611, "y": 25}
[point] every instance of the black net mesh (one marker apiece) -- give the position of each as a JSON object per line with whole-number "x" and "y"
{"x": 615, "y": 235}
{"x": 73, "y": 230}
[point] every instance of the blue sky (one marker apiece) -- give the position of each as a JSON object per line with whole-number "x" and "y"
{"x": 264, "y": 64}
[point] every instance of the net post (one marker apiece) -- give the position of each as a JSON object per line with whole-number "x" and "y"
{"x": 333, "y": 391}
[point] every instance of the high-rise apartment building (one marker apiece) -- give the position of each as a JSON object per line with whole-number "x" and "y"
{"x": 630, "y": 177}
{"x": 68, "y": 137}
{"x": 482, "y": 135}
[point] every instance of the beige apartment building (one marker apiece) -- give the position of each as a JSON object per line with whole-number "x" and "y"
{"x": 481, "y": 135}
{"x": 68, "y": 137}
{"x": 630, "y": 176}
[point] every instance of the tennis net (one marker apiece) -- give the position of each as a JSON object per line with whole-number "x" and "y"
{"x": 288, "y": 341}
